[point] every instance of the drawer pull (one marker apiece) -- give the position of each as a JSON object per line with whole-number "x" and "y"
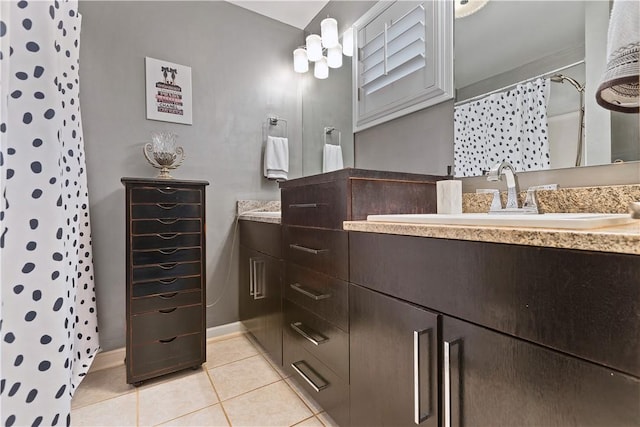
{"x": 168, "y": 296}
{"x": 305, "y": 205}
{"x": 167, "y": 236}
{"x": 308, "y": 250}
{"x": 317, "y": 388}
{"x": 168, "y": 266}
{"x": 309, "y": 334}
{"x": 308, "y": 292}
{"x": 168, "y": 310}
{"x": 168, "y": 251}
{"x": 167, "y": 221}
{"x": 167, "y": 281}
{"x": 166, "y": 190}
{"x": 168, "y": 340}
{"x": 166, "y": 206}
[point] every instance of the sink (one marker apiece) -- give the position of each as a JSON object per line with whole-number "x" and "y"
{"x": 580, "y": 221}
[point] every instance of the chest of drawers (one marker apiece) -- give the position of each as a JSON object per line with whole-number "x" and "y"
{"x": 165, "y": 276}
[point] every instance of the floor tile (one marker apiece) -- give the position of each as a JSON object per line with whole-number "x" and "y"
{"x": 306, "y": 397}
{"x": 327, "y": 420}
{"x": 119, "y": 411}
{"x": 226, "y": 351}
{"x": 310, "y": 422}
{"x": 242, "y": 376}
{"x": 101, "y": 385}
{"x": 279, "y": 369}
{"x": 272, "y": 405}
{"x": 172, "y": 399}
{"x": 210, "y": 416}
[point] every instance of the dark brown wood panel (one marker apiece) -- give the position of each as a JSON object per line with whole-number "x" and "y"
{"x": 166, "y": 286}
{"x": 166, "y": 241}
{"x": 165, "y": 301}
{"x": 579, "y": 302}
{"x": 378, "y": 197}
{"x": 262, "y": 236}
{"x": 321, "y": 250}
{"x": 166, "y": 211}
{"x": 161, "y": 256}
{"x": 324, "y": 205}
{"x": 164, "y": 324}
{"x": 159, "y": 226}
{"x": 163, "y": 357}
{"x": 165, "y": 194}
{"x": 165, "y": 271}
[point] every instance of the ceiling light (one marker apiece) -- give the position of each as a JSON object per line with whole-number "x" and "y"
{"x": 467, "y": 7}
{"x": 347, "y": 42}
{"x": 300, "y": 61}
{"x": 334, "y": 56}
{"x": 314, "y": 47}
{"x": 321, "y": 69}
{"x": 329, "y": 32}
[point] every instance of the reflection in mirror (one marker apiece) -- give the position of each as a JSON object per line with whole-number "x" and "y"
{"x": 512, "y": 58}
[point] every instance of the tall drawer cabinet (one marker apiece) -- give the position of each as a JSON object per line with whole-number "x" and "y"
{"x": 316, "y": 252}
{"x": 165, "y": 276}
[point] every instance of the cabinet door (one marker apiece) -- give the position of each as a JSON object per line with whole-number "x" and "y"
{"x": 393, "y": 361}
{"x": 494, "y": 379}
{"x": 261, "y": 299}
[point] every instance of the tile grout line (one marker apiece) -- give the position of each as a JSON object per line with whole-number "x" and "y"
{"x": 105, "y": 399}
{"x": 303, "y": 401}
{"x": 215, "y": 390}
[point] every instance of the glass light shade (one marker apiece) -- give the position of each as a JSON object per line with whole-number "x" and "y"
{"x": 347, "y": 42}
{"x": 334, "y": 56}
{"x": 300, "y": 62}
{"x": 329, "y": 32}
{"x": 465, "y": 8}
{"x": 314, "y": 47}
{"x": 321, "y": 69}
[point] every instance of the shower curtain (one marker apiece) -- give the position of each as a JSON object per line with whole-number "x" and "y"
{"x": 507, "y": 126}
{"x": 49, "y": 325}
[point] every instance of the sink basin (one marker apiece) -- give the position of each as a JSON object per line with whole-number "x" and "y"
{"x": 580, "y": 221}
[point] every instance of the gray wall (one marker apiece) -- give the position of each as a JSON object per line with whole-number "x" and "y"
{"x": 241, "y": 72}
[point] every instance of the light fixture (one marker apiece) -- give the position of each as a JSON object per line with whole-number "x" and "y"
{"x": 300, "y": 61}
{"x": 467, "y": 7}
{"x": 314, "y": 47}
{"x": 347, "y": 42}
{"x": 334, "y": 56}
{"x": 321, "y": 69}
{"x": 329, "y": 32}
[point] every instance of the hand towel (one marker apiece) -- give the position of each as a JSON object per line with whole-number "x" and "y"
{"x": 276, "y": 158}
{"x": 332, "y": 158}
{"x": 619, "y": 89}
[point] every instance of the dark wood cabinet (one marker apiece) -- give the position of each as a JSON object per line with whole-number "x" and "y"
{"x": 165, "y": 278}
{"x": 260, "y": 304}
{"x": 394, "y": 361}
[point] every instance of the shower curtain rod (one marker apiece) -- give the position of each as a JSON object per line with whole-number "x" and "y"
{"x": 547, "y": 74}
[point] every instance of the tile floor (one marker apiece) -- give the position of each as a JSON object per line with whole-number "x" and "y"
{"x": 238, "y": 386}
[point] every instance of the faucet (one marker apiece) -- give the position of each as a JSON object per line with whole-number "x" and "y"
{"x": 506, "y": 169}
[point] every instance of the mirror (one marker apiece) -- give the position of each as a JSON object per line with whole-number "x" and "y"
{"x": 508, "y": 42}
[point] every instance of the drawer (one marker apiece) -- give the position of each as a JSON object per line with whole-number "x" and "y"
{"x": 166, "y": 324}
{"x": 325, "y": 296}
{"x": 330, "y": 391}
{"x": 320, "y": 205}
{"x": 166, "y": 194}
{"x": 165, "y": 300}
{"x": 166, "y": 210}
{"x": 321, "y": 250}
{"x": 165, "y": 271}
{"x": 159, "y": 225}
{"x": 262, "y": 236}
{"x": 158, "y": 357}
{"x": 160, "y": 256}
{"x": 165, "y": 286}
{"x": 326, "y": 342}
{"x": 165, "y": 240}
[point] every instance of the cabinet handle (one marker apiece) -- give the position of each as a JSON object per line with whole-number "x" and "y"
{"x": 167, "y": 190}
{"x": 167, "y": 281}
{"x": 309, "y": 293}
{"x": 306, "y": 249}
{"x": 169, "y": 310}
{"x": 167, "y": 221}
{"x": 310, "y": 335}
{"x": 447, "y": 383}
{"x": 418, "y": 417}
{"x": 168, "y": 266}
{"x": 168, "y": 340}
{"x": 317, "y": 388}
{"x": 168, "y": 251}
{"x": 168, "y": 296}
{"x": 167, "y": 236}
{"x": 166, "y": 206}
{"x": 256, "y": 278}
{"x": 304, "y": 205}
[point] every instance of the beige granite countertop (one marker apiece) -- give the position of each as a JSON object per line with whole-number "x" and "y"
{"x": 265, "y": 216}
{"x": 259, "y": 210}
{"x": 620, "y": 239}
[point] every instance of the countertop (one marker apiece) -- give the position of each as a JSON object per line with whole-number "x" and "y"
{"x": 623, "y": 239}
{"x": 264, "y": 216}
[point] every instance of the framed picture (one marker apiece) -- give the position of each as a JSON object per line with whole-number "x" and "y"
{"x": 169, "y": 96}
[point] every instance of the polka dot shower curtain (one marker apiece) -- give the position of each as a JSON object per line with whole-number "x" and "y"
{"x": 49, "y": 325}
{"x": 507, "y": 126}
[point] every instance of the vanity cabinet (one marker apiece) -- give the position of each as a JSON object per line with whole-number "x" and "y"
{"x": 165, "y": 276}
{"x": 260, "y": 305}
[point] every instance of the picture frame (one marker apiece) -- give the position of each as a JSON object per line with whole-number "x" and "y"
{"x": 168, "y": 91}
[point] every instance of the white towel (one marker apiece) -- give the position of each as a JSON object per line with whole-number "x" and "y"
{"x": 332, "y": 158}
{"x": 619, "y": 89}
{"x": 276, "y": 158}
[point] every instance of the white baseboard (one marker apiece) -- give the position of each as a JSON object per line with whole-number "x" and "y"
{"x": 113, "y": 358}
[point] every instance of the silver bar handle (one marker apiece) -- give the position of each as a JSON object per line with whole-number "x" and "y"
{"x": 317, "y": 388}
{"x": 304, "y": 205}
{"x": 306, "y": 333}
{"x": 314, "y": 296}
{"x": 260, "y": 279}
{"x": 447, "y": 384}
{"x": 251, "y": 277}
{"x": 418, "y": 418}
{"x": 306, "y": 249}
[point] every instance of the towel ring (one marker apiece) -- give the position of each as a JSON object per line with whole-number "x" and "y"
{"x": 328, "y": 130}
{"x": 274, "y": 121}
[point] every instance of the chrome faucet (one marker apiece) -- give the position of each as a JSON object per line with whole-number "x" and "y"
{"x": 505, "y": 169}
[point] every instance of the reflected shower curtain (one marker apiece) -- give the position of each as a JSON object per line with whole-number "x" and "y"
{"x": 507, "y": 126}
{"x": 49, "y": 325}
